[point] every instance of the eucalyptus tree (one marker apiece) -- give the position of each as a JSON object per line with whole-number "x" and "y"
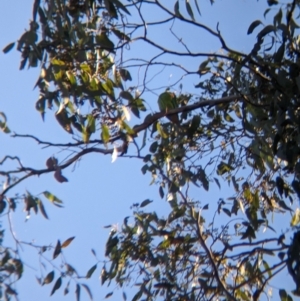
{"x": 103, "y": 75}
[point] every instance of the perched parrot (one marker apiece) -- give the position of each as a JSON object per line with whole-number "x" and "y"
{"x": 167, "y": 101}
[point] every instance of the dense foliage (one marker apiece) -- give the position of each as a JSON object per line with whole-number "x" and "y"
{"x": 240, "y": 125}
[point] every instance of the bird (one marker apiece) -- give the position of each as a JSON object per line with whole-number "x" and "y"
{"x": 167, "y": 101}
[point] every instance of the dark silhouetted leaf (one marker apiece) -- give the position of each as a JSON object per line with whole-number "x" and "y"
{"x": 87, "y": 290}
{"x": 145, "y": 203}
{"x": 125, "y": 75}
{"x": 57, "y": 250}
{"x": 77, "y": 292}
{"x": 108, "y": 295}
{"x": 56, "y": 286}
{"x": 189, "y": 9}
{"x": 9, "y": 47}
{"x": 91, "y": 271}
{"x": 253, "y": 25}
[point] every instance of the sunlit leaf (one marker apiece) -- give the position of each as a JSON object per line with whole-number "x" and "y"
{"x": 296, "y": 218}
{"x": 52, "y": 198}
{"x": 126, "y": 113}
{"x": 3, "y": 125}
{"x": 103, "y": 41}
{"x": 105, "y": 133}
{"x": 49, "y": 278}
{"x": 67, "y": 242}
{"x": 114, "y": 155}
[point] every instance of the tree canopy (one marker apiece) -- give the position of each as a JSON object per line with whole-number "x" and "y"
{"x": 226, "y": 117}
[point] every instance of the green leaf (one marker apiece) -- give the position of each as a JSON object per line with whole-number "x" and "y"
{"x": 91, "y": 271}
{"x": 284, "y": 296}
{"x": 9, "y": 47}
{"x": 105, "y": 136}
{"x": 52, "y": 198}
{"x": 223, "y": 168}
{"x": 267, "y": 268}
{"x": 104, "y": 42}
{"x": 91, "y": 125}
{"x": 71, "y": 77}
{"x": 56, "y": 286}
{"x": 127, "y": 128}
{"x": 126, "y": 95}
{"x": 161, "y": 131}
{"x": 119, "y": 34}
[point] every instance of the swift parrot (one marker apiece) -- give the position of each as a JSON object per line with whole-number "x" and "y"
{"x": 167, "y": 101}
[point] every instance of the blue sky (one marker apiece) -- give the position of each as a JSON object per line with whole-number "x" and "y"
{"x": 99, "y": 192}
